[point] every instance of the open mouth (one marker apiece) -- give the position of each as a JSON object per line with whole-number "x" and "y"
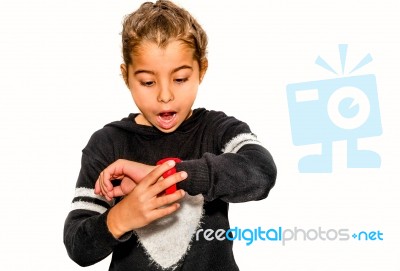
{"x": 166, "y": 119}
{"x": 167, "y": 116}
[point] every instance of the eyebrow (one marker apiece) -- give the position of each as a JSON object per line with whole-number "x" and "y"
{"x": 173, "y": 71}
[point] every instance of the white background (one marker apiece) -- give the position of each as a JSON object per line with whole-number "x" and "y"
{"x": 60, "y": 82}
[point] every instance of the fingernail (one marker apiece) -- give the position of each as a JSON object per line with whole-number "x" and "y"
{"x": 184, "y": 174}
{"x": 171, "y": 163}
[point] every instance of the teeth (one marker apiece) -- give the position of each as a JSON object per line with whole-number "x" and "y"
{"x": 167, "y": 114}
{"x": 166, "y": 119}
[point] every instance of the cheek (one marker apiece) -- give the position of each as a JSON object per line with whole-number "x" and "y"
{"x": 138, "y": 96}
{"x": 192, "y": 93}
{"x": 137, "y": 90}
{"x": 190, "y": 90}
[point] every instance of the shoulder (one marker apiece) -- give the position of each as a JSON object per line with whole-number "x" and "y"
{"x": 215, "y": 116}
{"x": 223, "y": 129}
{"x": 112, "y": 132}
{"x": 109, "y": 132}
{"x": 221, "y": 122}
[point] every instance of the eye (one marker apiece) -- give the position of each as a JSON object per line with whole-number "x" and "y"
{"x": 181, "y": 80}
{"x": 148, "y": 83}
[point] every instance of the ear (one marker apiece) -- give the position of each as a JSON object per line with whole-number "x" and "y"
{"x": 204, "y": 66}
{"x": 124, "y": 73}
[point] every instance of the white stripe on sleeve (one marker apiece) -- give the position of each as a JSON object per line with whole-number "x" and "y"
{"x": 239, "y": 141}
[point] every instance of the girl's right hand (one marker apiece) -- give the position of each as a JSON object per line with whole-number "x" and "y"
{"x": 144, "y": 204}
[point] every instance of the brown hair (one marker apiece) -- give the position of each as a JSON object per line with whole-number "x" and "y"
{"x": 162, "y": 22}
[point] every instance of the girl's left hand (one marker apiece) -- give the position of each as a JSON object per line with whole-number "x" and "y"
{"x": 129, "y": 172}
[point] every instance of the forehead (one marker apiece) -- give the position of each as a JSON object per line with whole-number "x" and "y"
{"x": 150, "y": 56}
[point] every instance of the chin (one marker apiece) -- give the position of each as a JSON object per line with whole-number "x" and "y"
{"x": 170, "y": 130}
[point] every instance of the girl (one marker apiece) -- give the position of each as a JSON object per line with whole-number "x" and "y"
{"x": 220, "y": 160}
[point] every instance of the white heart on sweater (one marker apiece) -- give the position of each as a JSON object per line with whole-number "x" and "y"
{"x": 168, "y": 239}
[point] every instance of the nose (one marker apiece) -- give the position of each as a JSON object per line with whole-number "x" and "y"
{"x": 165, "y": 95}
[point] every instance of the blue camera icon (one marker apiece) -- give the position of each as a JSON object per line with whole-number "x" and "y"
{"x": 325, "y": 111}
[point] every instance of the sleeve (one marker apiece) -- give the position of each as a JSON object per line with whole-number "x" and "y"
{"x": 239, "y": 170}
{"x": 86, "y": 235}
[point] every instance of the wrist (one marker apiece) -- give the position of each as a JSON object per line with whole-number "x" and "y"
{"x": 113, "y": 223}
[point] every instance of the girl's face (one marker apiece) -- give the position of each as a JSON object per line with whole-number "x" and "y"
{"x": 163, "y": 83}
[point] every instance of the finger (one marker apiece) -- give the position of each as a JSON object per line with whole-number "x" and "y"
{"x": 161, "y": 186}
{"x": 97, "y": 189}
{"x": 102, "y": 187}
{"x": 127, "y": 185}
{"x": 166, "y": 200}
{"x": 107, "y": 177}
{"x": 106, "y": 195}
{"x": 161, "y": 212}
{"x": 114, "y": 169}
{"x": 98, "y": 186}
{"x": 106, "y": 185}
{"x": 156, "y": 173}
{"x": 108, "y": 198}
{"x": 117, "y": 192}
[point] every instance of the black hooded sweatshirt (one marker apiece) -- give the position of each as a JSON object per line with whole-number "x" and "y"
{"x": 225, "y": 163}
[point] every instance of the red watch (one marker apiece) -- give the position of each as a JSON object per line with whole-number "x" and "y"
{"x": 169, "y": 172}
